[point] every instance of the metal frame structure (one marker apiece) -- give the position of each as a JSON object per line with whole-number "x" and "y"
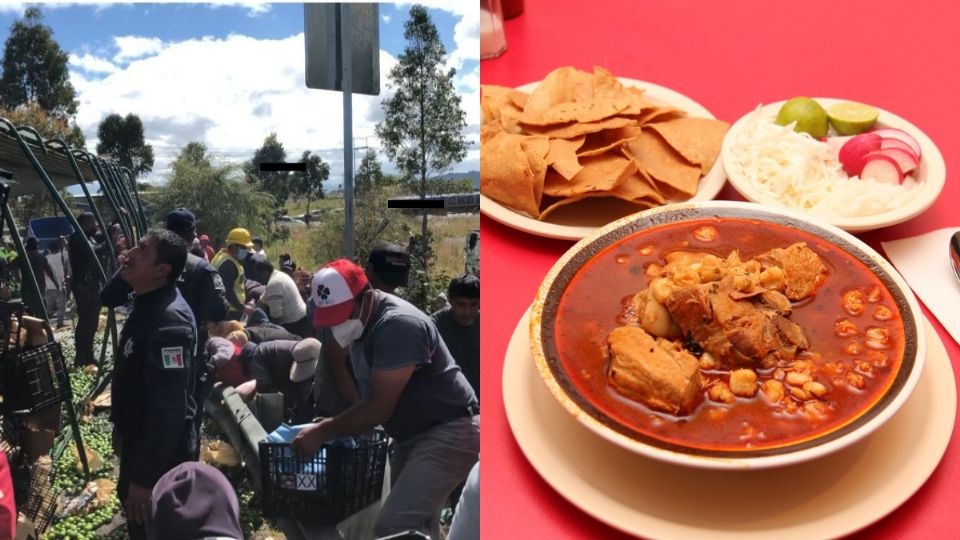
{"x": 116, "y": 183}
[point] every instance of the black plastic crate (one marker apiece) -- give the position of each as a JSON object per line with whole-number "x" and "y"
{"x": 11, "y": 321}
{"x": 10, "y": 442}
{"x": 36, "y": 378}
{"x": 327, "y": 488}
{"x": 41, "y": 502}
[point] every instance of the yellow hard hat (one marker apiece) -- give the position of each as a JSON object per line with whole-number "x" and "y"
{"x": 239, "y": 236}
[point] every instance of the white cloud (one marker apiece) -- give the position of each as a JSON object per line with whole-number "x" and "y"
{"x": 92, "y": 64}
{"x": 386, "y": 18}
{"x": 131, "y": 47}
{"x": 457, "y": 7}
{"x": 230, "y": 93}
{"x": 466, "y": 38}
{"x": 254, "y": 8}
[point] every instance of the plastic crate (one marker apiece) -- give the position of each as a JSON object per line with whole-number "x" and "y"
{"x": 41, "y": 502}
{"x": 10, "y": 442}
{"x": 328, "y": 487}
{"x": 36, "y": 378}
{"x": 11, "y": 320}
{"x": 48, "y": 230}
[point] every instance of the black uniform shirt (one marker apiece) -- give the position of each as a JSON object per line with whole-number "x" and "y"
{"x": 199, "y": 283}
{"x": 153, "y": 403}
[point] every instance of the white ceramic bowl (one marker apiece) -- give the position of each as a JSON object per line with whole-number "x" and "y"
{"x": 931, "y": 173}
{"x": 591, "y": 414}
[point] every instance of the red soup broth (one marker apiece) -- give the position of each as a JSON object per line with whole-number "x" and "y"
{"x": 856, "y": 375}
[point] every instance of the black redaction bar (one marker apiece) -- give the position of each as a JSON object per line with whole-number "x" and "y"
{"x": 415, "y": 203}
{"x": 279, "y": 166}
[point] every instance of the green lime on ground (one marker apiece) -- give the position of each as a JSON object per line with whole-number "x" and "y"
{"x": 850, "y": 118}
{"x": 807, "y": 113}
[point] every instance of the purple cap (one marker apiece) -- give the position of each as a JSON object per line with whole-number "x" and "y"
{"x": 193, "y": 500}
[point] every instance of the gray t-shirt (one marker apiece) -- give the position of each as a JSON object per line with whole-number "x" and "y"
{"x": 401, "y": 335}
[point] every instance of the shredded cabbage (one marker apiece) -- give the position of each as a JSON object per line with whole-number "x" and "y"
{"x": 804, "y": 173}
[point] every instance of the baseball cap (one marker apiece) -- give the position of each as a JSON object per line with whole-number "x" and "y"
{"x": 193, "y": 500}
{"x": 333, "y": 289}
{"x": 180, "y": 219}
{"x": 306, "y": 353}
{"x": 391, "y": 263}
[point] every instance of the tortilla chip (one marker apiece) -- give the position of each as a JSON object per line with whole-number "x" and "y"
{"x": 536, "y": 149}
{"x": 698, "y": 140}
{"x": 606, "y": 140}
{"x": 659, "y": 114}
{"x": 634, "y": 190}
{"x": 488, "y": 130}
{"x": 562, "y": 85}
{"x": 496, "y": 99}
{"x": 653, "y": 155}
{"x": 580, "y": 111}
{"x": 573, "y": 129}
{"x": 600, "y": 173}
{"x": 563, "y": 156}
{"x": 506, "y": 175}
{"x": 638, "y": 187}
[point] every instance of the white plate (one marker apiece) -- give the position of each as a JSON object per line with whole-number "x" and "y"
{"x": 932, "y": 172}
{"x": 829, "y": 497}
{"x": 579, "y": 220}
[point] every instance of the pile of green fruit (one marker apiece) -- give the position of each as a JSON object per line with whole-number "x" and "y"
{"x": 81, "y": 527}
{"x": 67, "y": 474}
{"x": 80, "y": 383}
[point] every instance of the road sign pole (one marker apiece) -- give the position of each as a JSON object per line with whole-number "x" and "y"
{"x": 347, "y": 86}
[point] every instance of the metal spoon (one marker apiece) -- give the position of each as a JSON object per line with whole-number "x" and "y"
{"x": 955, "y": 253}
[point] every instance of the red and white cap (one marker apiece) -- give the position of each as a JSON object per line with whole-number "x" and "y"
{"x": 333, "y": 289}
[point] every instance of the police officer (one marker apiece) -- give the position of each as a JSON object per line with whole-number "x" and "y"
{"x": 202, "y": 288}
{"x": 153, "y": 390}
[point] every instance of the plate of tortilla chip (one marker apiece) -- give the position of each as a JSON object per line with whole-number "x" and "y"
{"x": 577, "y": 150}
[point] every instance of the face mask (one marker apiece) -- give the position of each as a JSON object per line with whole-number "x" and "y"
{"x": 350, "y": 330}
{"x": 242, "y": 253}
{"x": 347, "y": 332}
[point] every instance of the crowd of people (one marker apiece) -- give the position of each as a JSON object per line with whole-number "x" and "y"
{"x": 343, "y": 349}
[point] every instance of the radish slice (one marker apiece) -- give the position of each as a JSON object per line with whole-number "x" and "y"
{"x": 893, "y": 133}
{"x": 897, "y": 143}
{"x": 882, "y": 168}
{"x": 853, "y": 151}
{"x": 904, "y": 158}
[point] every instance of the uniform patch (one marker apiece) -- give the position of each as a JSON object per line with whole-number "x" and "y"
{"x": 172, "y": 357}
{"x": 128, "y": 348}
{"x": 218, "y": 282}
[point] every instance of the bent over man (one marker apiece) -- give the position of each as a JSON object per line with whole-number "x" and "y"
{"x": 153, "y": 393}
{"x": 409, "y": 384}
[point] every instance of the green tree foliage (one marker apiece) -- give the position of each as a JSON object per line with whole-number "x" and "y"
{"x": 371, "y": 224}
{"x": 194, "y": 153}
{"x": 35, "y": 68}
{"x": 369, "y": 175}
{"x": 216, "y": 194}
{"x": 422, "y": 130}
{"x": 121, "y": 138}
{"x": 34, "y": 205}
{"x": 49, "y": 126}
{"x": 309, "y": 183}
{"x": 274, "y": 182}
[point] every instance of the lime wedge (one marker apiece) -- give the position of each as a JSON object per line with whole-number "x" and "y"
{"x": 850, "y": 118}
{"x": 808, "y": 115}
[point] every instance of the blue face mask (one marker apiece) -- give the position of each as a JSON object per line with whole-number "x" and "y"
{"x": 242, "y": 253}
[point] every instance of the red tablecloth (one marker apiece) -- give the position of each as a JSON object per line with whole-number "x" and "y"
{"x": 728, "y": 56}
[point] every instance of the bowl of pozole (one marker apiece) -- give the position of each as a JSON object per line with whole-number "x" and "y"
{"x": 727, "y": 335}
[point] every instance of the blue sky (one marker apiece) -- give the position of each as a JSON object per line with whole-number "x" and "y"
{"x": 228, "y": 75}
